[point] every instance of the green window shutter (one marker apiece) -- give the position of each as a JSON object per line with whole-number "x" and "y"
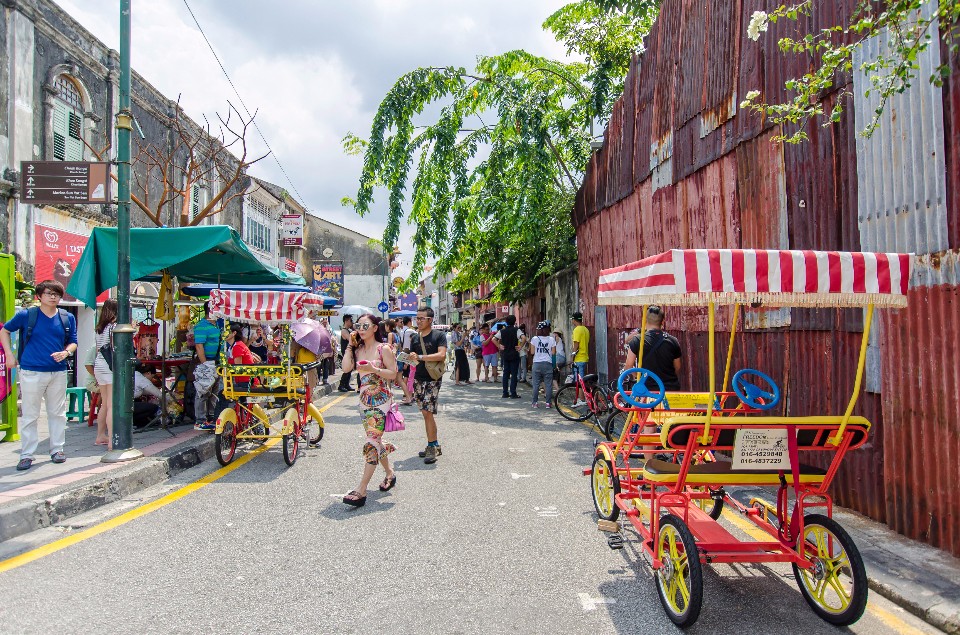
{"x": 61, "y": 130}
{"x": 74, "y": 146}
{"x": 194, "y": 200}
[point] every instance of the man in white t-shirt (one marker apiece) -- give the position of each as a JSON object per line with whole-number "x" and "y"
{"x": 543, "y": 347}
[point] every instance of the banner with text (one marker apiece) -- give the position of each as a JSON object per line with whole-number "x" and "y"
{"x": 291, "y": 230}
{"x": 328, "y": 279}
{"x": 56, "y": 253}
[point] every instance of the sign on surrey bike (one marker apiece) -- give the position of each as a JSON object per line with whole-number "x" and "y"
{"x": 64, "y": 182}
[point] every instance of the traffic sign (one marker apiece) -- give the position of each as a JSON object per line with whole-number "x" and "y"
{"x": 382, "y": 307}
{"x": 59, "y": 182}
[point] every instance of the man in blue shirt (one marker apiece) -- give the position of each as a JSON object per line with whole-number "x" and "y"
{"x": 43, "y": 369}
{"x": 206, "y": 339}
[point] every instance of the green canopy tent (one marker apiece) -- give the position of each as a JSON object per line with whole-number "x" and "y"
{"x": 210, "y": 254}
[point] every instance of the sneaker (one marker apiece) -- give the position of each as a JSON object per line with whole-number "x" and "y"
{"x": 206, "y": 426}
{"x": 504, "y": 396}
{"x": 535, "y": 404}
{"x": 423, "y": 453}
{"x": 515, "y": 396}
{"x": 24, "y": 464}
{"x": 580, "y": 404}
{"x": 430, "y": 454}
{"x": 58, "y": 457}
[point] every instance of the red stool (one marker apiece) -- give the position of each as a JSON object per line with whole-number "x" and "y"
{"x": 94, "y": 410}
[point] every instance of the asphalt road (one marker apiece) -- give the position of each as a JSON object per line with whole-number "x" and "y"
{"x": 499, "y": 536}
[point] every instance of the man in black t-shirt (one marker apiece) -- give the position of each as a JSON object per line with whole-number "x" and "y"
{"x": 661, "y": 352}
{"x": 508, "y": 341}
{"x": 345, "y": 332}
{"x": 427, "y": 345}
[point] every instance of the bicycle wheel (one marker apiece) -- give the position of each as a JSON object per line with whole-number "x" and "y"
{"x": 680, "y": 579}
{"x": 712, "y": 506}
{"x": 835, "y": 586}
{"x": 571, "y": 403}
{"x": 291, "y": 441}
{"x": 605, "y": 487}
{"x": 225, "y": 443}
{"x": 614, "y": 425}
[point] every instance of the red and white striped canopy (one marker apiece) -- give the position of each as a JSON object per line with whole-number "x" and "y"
{"x": 263, "y": 307}
{"x": 768, "y": 277}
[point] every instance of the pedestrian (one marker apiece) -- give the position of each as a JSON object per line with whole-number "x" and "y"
{"x": 522, "y": 371}
{"x": 259, "y": 344}
{"x": 461, "y": 363}
{"x": 48, "y": 336}
{"x": 507, "y": 340}
{"x": 661, "y": 352}
{"x": 146, "y": 395}
{"x": 240, "y": 354}
{"x": 345, "y": 332}
{"x": 490, "y": 354}
{"x": 544, "y": 350}
{"x": 405, "y": 334}
{"x": 560, "y": 366}
{"x": 476, "y": 347}
{"x": 376, "y": 366}
{"x": 89, "y": 360}
{"x": 103, "y": 368}
{"x": 580, "y": 348}
{"x": 326, "y": 353}
{"x": 429, "y": 352}
{"x": 207, "y": 344}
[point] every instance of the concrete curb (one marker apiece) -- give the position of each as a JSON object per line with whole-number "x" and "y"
{"x": 22, "y": 518}
{"x": 17, "y": 519}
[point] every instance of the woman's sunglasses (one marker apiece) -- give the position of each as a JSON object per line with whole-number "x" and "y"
{"x": 364, "y": 326}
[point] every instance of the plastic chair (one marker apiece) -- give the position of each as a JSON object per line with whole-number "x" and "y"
{"x": 77, "y": 403}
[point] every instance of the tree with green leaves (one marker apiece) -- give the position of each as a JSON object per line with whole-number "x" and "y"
{"x": 908, "y": 27}
{"x": 493, "y": 177}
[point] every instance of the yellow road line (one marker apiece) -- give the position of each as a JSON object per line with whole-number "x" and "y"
{"x": 122, "y": 519}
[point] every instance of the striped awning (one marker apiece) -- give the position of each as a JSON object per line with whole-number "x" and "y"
{"x": 263, "y": 307}
{"x": 766, "y": 277}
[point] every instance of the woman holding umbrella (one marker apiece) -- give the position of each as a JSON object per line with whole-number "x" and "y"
{"x": 308, "y": 338}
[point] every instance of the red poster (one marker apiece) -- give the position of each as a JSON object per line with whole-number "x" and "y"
{"x": 56, "y": 253}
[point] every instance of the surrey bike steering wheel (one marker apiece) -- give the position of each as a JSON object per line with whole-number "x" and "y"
{"x": 751, "y": 394}
{"x": 640, "y": 390}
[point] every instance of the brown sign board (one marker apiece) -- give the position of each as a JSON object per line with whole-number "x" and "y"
{"x": 64, "y": 182}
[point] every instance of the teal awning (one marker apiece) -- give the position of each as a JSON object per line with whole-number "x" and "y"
{"x": 212, "y": 254}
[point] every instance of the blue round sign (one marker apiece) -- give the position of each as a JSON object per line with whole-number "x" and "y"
{"x": 382, "y": 307}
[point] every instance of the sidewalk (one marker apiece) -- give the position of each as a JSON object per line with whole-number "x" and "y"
{"x": 922, "y": 579}
{"x": 49, "y": 493}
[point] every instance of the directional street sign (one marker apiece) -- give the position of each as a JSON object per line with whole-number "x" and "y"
{"x": 59, "y": 182}
{"x": 382, "y": 307}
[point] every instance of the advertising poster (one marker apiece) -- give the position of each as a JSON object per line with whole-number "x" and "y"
{"x": 291, "y": 230}
{"x": 328, "y": 279}
{"x": 409, "y": 301}
{"x": 57, "y": 253}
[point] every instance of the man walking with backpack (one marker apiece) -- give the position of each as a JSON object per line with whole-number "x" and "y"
{"x": 48, "y": 336}
{"x": 429, "y": 354}
{"x": 508, "y": 341}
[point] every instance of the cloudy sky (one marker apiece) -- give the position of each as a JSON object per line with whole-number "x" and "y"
{"x": 314, "y": 69}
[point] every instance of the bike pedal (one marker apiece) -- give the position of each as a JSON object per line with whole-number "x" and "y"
{"x": 615, "y": 541}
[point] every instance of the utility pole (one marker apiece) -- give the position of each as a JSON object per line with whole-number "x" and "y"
{"x": 123, "y": 449}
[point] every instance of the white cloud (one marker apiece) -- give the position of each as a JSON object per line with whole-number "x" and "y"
{"x": 313, "y": 70}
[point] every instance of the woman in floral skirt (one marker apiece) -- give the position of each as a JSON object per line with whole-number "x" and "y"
{"x": 376, "y": 366}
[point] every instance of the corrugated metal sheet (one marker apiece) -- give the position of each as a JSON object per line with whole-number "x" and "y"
{"x": 902, "y": 167}
{"x": 921, "y": 380}
{"x": 951, "y": 135}
{"x": 693, "y": 39}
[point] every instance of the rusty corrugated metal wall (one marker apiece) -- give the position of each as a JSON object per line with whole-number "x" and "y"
{"x": 683, "y": 167}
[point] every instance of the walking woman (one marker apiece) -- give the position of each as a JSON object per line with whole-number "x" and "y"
{"x": 559, "y": 371}
{"x": 376, "y": 365}
{"x": 544, "y": 349}
{"x": 460, "y": 355}
{"x": 103, "y": 372}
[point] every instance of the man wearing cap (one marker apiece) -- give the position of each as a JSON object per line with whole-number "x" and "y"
{"x": 580, "y": 346}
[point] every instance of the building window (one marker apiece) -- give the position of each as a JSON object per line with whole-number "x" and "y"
{"x": 67, "y": 121}
{"x": 258, "y": 225}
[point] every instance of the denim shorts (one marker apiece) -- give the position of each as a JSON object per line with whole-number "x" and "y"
{"x": 490, "y": 360}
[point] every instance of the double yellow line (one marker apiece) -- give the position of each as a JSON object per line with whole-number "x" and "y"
{"x": 122, "y": 519}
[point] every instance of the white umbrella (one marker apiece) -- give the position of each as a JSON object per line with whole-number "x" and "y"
{"x": 356, "y": 310}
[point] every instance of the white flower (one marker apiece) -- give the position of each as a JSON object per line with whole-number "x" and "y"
{"x": 753, "y": 94}
{"x": 758, "y": 24}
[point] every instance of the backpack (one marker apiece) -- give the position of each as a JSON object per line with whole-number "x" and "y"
{"x": 33, "y": 314}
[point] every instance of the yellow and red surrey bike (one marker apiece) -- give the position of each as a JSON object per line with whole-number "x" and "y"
{"x": 655, "y": 473}
{"x": 269, "y": 401}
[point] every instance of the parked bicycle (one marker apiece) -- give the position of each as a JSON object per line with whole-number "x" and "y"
{"x": 585, "y": 398}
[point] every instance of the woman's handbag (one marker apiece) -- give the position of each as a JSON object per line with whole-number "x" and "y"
{"x": 106, "y": 352}
{"x": 394, "y": 419}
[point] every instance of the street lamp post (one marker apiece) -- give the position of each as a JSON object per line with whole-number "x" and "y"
{"x": 123, "y": 449}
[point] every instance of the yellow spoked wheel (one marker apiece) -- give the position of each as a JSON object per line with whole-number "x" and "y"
{"x": 680, "y": 579}
{"x": 835, "y": 586}
{"x": 605, "y": 486}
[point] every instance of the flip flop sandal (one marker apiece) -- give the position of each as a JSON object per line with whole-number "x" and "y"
{"x": 356, "y": 501}
{"x": 389, "y": 482}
